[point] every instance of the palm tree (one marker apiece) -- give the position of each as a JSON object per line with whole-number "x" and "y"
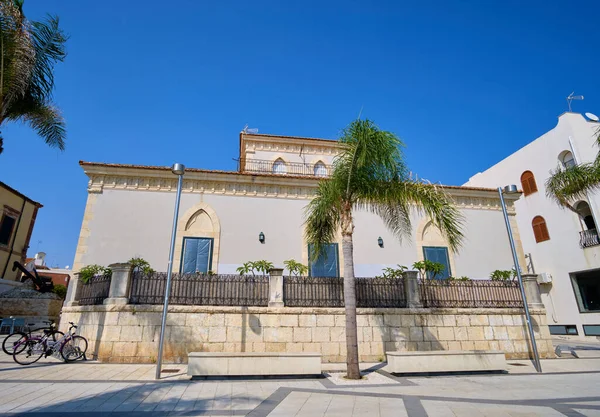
{"x": 28, "y": 52}
{"x": 567, "y": 185}
{"x": 370, "y": 174}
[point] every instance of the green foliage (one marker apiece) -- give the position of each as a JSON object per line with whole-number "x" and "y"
{"x": 60, "y": 290}
{"x": 295, "y": 268}
{"x": 90, "y": 271}
{"x": 29, "y": 51}
{"x": 255, "y": 266}
{"x": 458, "y": 279}
{"x": 393, "y": 272}
{"x": 140, "y": 264}
{"x": 502, "y": 275}
{"x": 435, "y": 268}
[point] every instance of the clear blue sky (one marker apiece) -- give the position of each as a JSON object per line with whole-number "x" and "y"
{"x": 463, "y": 83}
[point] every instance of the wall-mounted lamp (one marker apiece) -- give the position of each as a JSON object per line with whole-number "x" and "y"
{"x": 261, "y": 237}
{"x": 380, "y": 242}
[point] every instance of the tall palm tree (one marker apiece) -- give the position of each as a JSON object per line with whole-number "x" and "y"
{"x": 567, "y": 185}
{"x": 370, "y": 174}
{"x": 28, "y": 52}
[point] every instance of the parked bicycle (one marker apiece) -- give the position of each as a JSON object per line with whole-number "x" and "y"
{"x": 17, "y": 338}
{"x": 69, "y": 347}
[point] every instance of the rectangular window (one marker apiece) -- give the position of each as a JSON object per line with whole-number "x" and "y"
{"x": 438, "y": 254}
{"x": 587, "y": 290}
{"x": 327, "y": 264}
{"x": 6, "y": 229}
{"x": 591, "y": 329}
{"x": 197, "y": 255}
{"x": 566, "y": 330}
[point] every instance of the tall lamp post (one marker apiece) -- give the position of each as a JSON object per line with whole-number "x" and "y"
{"x": 179, "y": 170}
{"x": 511, "y": 189}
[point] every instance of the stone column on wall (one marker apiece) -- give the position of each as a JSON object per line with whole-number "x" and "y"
{"x": 73, "y": 291}
{"x": 276, "y": 287}
{"x": 532, "y": 291}
{"x": 120, "y": 283}
{"x": 411, "y": 289}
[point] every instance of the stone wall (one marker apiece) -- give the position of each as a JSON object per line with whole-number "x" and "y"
{"x": 130, "y": 333}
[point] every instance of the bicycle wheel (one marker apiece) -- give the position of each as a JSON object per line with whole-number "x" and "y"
{"x": 32, "y": 352}
{"x": 12, "y": 340}
{"x": 74, "y": 348}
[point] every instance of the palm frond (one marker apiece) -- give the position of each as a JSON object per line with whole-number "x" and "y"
{"x": 322, "y": 216}
{"x": 566, "y": 185}
{"x": 43, "y": 117}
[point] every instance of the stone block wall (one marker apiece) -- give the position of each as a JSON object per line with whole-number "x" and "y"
{"x": 130, "y": 333}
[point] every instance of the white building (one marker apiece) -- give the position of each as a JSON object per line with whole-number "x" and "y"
{"x": 224, "y": 214}
{"x": 562, "y": 246}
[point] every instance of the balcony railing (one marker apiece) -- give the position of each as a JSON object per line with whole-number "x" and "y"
{"x": 285, "y": 168}
{"x": 589, "y": 238}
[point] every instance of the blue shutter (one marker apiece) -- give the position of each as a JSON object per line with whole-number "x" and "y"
{"x": 438, "y": 254}
{"x": 203, "y": 255}
{"x": 190, "y": 250}
{"x": 327, "y": 264}
{"x": 197, "y": 253}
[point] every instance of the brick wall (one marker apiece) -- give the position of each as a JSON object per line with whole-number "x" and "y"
{"x": 128, "y": 333}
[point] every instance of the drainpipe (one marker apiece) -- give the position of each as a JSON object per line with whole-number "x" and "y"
{"x": 12, "y": 245}
{"x": 591, "y": 202}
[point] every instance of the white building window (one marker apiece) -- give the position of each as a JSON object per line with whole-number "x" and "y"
{"x": 279, "y": 167}
{"x": 567, "y": 159}
{"x": 320, "y": 169}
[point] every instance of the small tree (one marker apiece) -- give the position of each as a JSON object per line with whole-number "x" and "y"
{"x": 295, "y": 268}
{"x": 88, "y": 272}
{"x": 425, "y": 266}
{"x": 142, "y": 265}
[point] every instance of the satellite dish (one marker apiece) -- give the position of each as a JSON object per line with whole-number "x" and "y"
{"x": 592, "y": 117}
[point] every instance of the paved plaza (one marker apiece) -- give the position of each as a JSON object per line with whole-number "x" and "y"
{"x": 570, "y": 387}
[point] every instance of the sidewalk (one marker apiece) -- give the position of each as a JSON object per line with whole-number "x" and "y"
{"x": 569, "y": 387}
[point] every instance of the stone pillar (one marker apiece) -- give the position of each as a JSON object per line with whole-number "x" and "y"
{"x": 120, "y": 283}
{"x": 73, "y": 291}
{"x": 532, "y": 291}
{"x": 276, "y": 287}
{"x": 411, "y": 289}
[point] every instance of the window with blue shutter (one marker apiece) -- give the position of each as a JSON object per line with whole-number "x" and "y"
{"x": 327, "y": 264}
{"x": 438, "y": 254}
{"x": 197, "y": 255}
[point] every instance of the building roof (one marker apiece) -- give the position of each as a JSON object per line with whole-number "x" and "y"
{"x": 12, "y": 190}
{"x": 253, "y": 174}
{"x": 258, "y": 135}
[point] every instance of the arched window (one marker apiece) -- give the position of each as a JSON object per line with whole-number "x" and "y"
{"x": 320, "y": 169}
{"x": 540, "y": 231}
{"x": 585, "y": 213}
{"x": 528, "y": 183}
{"x": 279, "y": 167}
{"x": 567, "y": 159}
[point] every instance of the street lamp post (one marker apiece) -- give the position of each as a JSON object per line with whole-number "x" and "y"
{"x": 179, "y": 170}
{"x": 510, "y": 189}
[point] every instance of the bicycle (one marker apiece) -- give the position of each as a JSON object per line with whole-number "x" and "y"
{"x": 70, "y": 347}
{"x": 18, "y": 337}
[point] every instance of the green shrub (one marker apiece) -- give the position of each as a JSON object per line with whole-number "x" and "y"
{"x": 140, "y": 264}
{"x": 90, "y": 271}
{"x": 502, "y": 275}
{"x": 393, "y": 272}
{"x": 60, "y": 290}
{"x": 255, "y": 266}
{"x": 295, "y": 268}
{"x": 426, "y": 266}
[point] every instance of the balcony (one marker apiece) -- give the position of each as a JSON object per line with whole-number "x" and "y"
{"x": 589, "y": 238}
{"x": 281, "y": 167}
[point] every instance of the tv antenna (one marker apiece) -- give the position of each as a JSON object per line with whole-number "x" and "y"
{"x": 571, "y": 97}
{"x": 246, "y": 129}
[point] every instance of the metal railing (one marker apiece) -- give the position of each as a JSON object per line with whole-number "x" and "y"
{"x": 589, "y": 238}
{"x": 95, "y": 291}
{"x": 195, "y": 289}
{"x": 470, "y": 294}
{"x": 288, "y": 168}
{"x": 329, "y": 292}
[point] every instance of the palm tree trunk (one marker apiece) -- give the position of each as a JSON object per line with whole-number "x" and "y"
{"x": 353, "y": 369}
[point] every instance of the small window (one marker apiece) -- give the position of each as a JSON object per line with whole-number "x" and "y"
{"x": 438, "y": 254}
{"x": 567, "y": 159}
{"x": 540, "y": 231}
{"x": 587, "y": 290}
{"x": 528, "y": 183}
{"x": 6, "y": 229}
{"x": 567, "y": 330}
{"x": 327, "y": 263}
{"x": 320, "y": 169}
{"x": 591, "y": 329}
{"x": 279, "y": 167}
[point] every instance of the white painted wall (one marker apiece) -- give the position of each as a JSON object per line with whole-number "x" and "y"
{"x": 560, "y": 255}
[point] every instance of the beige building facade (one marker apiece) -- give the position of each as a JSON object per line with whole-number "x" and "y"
{"x": 17, "y": 218}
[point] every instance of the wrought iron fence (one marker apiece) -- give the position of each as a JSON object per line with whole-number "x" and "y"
{"x": 329, "y": 292}
{"x": 195, "y": 289}
{"x": 287, "y": 168}
{"x": 470, "y": 294}
{"x": 95, "y": 291}
{"x": 589, "y": 238}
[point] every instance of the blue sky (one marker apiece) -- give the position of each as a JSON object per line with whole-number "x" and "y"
{"x": 463, "y": 83}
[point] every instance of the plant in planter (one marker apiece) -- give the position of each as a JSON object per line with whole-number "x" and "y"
{"x": 251, "y": 267}
{"x": 434, "y": 268}
{"x": 393, "y": 272}
{"x": 263, "y": 266}
{"x": 503, "y": 275}
{"x": 88, "y": 272}
{"x": 295, "y": 268}
{"x": 141, "y": 265}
